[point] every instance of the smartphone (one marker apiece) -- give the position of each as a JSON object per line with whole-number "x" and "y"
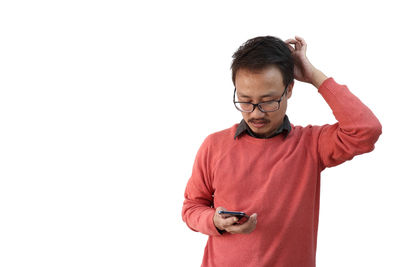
{"x": 242, "y": 217}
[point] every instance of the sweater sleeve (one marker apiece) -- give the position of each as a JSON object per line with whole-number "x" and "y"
{"x": 356, "y": 131}
{"x": 198, "y": 210}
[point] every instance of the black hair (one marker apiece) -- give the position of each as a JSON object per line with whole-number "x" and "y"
{"x": 260, "y": 52}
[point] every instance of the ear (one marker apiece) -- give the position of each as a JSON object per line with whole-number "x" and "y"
{"x": 289, "y": 90}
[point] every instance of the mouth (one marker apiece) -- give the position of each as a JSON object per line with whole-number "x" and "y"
{"x": 258, "y": 124}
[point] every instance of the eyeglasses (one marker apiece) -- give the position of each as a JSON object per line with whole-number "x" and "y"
{"x": 266, "y": 106}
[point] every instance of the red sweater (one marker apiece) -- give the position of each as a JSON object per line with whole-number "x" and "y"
{"x": 277, "y": 178}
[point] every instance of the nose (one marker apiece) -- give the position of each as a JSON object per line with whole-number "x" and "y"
{"x": 258, "y": 113}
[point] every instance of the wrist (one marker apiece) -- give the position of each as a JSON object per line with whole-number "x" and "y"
{"x": 220, "y": 231}
{"x": 318, "y": 77}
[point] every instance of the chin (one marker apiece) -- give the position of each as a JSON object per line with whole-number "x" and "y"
{"x": 261, "y": 132}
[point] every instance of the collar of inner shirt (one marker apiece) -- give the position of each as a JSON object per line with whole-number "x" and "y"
{"x": 284, "y": 129}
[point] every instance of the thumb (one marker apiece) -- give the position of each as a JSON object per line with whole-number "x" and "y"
{"x": 220, "y": 208}
{"x": 253, "y": 218}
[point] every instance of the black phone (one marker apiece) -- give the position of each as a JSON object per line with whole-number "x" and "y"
{"x": 242, "y": 217}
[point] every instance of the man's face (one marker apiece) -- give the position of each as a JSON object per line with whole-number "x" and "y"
{"x": 260, "y": 86}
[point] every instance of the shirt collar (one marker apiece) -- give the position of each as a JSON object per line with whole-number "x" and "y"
{"x": 285, "y": 128}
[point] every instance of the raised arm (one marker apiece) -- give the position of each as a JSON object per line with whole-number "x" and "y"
{"x": 357, "y": 128}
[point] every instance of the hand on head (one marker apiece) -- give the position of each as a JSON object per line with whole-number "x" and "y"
{"x": 303, "y": 69}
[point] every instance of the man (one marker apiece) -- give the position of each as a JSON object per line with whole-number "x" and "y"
{"x": 269, "y": 168}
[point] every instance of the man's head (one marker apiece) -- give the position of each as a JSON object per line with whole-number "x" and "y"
{"x": 261, "y": 70}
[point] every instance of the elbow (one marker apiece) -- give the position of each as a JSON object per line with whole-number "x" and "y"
{"x": 362, "y": 139}
{"x": 374, "y": 131}
{"x": 370, "y": 130}
{"x": 185, "y": 211}
{"x": 186, "y": 214}
{"x": 378, "y": 129}
{"x": 370, "y": 135}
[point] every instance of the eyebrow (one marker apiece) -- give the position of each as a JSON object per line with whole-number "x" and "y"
{"x": 267, "y": 95}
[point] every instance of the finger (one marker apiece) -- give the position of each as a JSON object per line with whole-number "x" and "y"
{"x": 219, "y": 219}
{"x": 240, "y": 228}
{"x": 247, "y": 227}
{"x": 297, "y": 43}
{"x": 229, "y": 221}
{"x": 290, "y": 40}
{"x": 223, "y": 216}
{"x": 252, "y": 221}
{"x": 253, "y": 218}
{"x": 235, "y": 229}
{"x": 290, "y": 48}
{"x": 302, "y": 41}
{"x": 220, "y": 208}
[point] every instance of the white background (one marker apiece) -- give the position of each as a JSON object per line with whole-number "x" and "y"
{"x": 104, "y": 104}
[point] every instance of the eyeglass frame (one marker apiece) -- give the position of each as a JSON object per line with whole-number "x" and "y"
{"x": 259, "y": 104}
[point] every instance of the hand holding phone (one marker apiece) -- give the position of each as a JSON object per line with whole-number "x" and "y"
{"x": 234, "y": 222}
{"x": 241, "y": 216}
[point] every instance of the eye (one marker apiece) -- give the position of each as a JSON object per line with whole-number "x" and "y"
{"x": 268, "y": 101}
{"x": 244, "y": 106}
{"x": 244, "y": 99}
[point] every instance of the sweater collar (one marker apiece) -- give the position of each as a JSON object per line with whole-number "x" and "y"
{"x": 285, "y": 128}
